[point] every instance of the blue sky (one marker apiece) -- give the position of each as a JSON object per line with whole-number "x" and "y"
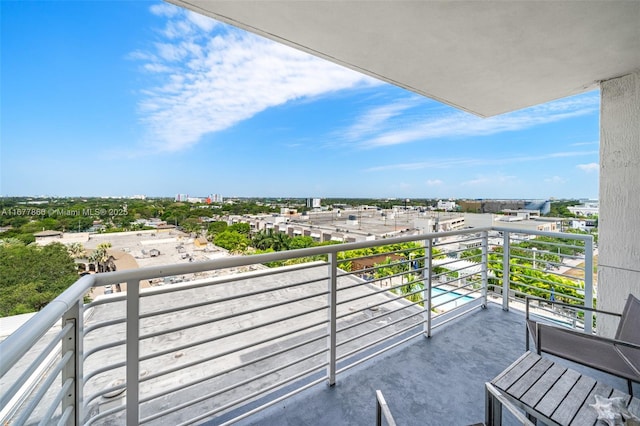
{"x": 134, "y": 97}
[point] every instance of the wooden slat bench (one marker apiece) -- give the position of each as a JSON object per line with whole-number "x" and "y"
{"x": 535, "y": 387}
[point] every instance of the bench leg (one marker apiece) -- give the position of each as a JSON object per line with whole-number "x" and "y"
{"x": 493, "y": 410}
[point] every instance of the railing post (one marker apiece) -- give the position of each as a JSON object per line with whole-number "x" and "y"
{"x": 588, "y": 284}
{"x": 133, "y": 352}
{"x": 332, "y": 300}
{"x": 73, "y": 370}
{"x": 506, "y": 270}
{"x": 484, "y": 261}
{"x": 428, "y": 251}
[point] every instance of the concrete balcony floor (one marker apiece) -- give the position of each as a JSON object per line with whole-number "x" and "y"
{"x": 427, "y": 381}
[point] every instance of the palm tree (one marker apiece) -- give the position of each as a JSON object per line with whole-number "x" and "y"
{"x": 280, "y": 241}
{"x": 76, "y": 250}
{"x": 100, "y": 256}
{"x": 263, "y": 240}
{"x": 268, "y": 239}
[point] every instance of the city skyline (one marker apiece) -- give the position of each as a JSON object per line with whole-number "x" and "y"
{"x": 124, "y": 98}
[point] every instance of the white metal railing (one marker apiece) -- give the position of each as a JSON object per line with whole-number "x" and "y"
{"x": 229, "y": 345}
{"x": 383, "y": 411}
{"x": 548, "y": 269}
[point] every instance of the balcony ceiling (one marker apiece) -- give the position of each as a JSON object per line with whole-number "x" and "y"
{"x": 485, "y": 57}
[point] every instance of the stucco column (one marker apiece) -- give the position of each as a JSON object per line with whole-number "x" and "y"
{"x": 619, "y": 217}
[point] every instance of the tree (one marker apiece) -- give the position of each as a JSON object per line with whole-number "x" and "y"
{"x": 215, "y": 228}
{"x": 232, "y": 241}
{"x": 100, "y": 256}
{"x": 75, "y": 223}
{"x": 40, "y": 225}
{"x": 300, "y": 242}
{"x": 280, "y": 241}
{"x": 559, "y": 208}
{"x": 191, "y": 225}
{"x": 240, "y": 228}
{"x": 26, "y": 238}
{"x": 18, "y": 221}
{"x": 525, "y": 280}
{"x": 76, "y": 250}
{"x": 123, "y": 221}
{"x": 263, "y": 240}
{"x": 32, "y": 276}
{"x": 473, "y": 255}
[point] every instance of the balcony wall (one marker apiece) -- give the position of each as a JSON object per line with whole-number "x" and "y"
{"x": 619, "y": 221}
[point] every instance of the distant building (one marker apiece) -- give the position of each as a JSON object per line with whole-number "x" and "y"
{"x": 521, "y": 214}
{"x": 526, "y": 224}
{"x": 544, "y": 207}
{"x": 584, "y": 224}
{"x": 496, "y": 206}
{"x": 586, "y": 209}
{"x": 200, "y": 242}
{"x": 443, "y": 223}
{"x": 46, "y": 237}
{"x": 447, "y": 205}
{"x": 43, "y": 234}
{"x": 211, "y": 198}
{"x": 367, "y": 263}
{"x": 155, "y": 222}
{"x": 314, "y": 203}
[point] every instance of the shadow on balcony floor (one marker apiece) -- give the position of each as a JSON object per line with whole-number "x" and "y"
{"x": 436, "y": 381}
{"x": 427, "y": 382}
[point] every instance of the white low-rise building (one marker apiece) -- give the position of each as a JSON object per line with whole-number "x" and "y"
{"x": 586, "y": 209}
{"x": 447, "y": 205}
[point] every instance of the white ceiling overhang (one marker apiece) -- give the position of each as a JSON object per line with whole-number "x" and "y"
{"x": 485, "y": 57}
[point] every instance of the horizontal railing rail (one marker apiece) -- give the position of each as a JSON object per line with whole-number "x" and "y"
{"x": 181, "y": 353}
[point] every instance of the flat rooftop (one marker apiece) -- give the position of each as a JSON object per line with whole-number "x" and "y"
{"x": 222, "y": 335}
{"x": 380, "y": 223}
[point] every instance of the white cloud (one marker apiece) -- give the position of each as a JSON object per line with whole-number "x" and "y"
{"x": 156, "y": 68}
{"x": 207, "y": 77}
{"x": 370, "y": 122}
{"x": 589, "y": 168}
{"x": 555, "y": 180}
{"x": 585, "y": 143}
{"x": 164, "y": 9}
{"x": 483, "y": 180}
{"x": 466, "y": 162}
{"x": 434, "y": 182}
{"x": 420, "y": 124}
{"x": 201, "y": 21}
